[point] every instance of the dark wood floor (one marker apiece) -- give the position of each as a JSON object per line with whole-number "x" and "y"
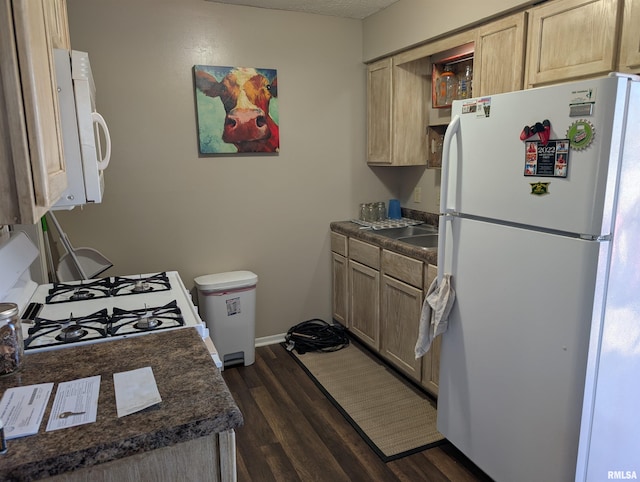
{"x": 293, "y": 432}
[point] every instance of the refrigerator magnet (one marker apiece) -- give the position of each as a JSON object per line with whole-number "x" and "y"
{"x": 483, "y": 108}
{"x": 581, "y": 134}
{"x": 550, "y": 160}
{"x": 539, "y": 188}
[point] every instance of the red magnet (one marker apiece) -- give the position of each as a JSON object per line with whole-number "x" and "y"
{"x": 545, "y": 132}
{"x": 543, "y": 129}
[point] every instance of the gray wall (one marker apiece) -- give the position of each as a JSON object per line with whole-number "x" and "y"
{"x": 167, "y": 208}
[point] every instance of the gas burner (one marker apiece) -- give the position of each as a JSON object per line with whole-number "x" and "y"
{"x": 141, "y": 286}
{"x": 147, "y": 322}
{"x": 81, "y": 294}
{"x": 71, "y": 333}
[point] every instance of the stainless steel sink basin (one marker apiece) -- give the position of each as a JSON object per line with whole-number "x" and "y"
{"x": 408, "y": 231}
{"x": 426, "y": 241}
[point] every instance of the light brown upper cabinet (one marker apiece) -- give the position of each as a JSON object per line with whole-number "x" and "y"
{"x": 379, "y": 84}
{"x": 630, "y": 38}
{"x": 499, "y": 56}
{"x": 572, "y": 39}
{"x": 56, "y": 17}
{"x": 32, "y": 168}
{"x": 397, "y": 93}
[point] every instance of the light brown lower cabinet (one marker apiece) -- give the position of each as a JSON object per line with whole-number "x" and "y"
{"x": 401, "y": 307}
{"x": 207, "y": 459}
{"x": 431, "y": 359}
{"x": 364, "y": 303}
{"x": 339, "y": 298}
{"x": 383, "y": 296}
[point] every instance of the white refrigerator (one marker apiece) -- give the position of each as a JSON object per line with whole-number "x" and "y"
{"x": 540, "y": 230}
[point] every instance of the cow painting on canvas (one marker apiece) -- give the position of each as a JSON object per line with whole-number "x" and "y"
{"x": 237, "y": 109}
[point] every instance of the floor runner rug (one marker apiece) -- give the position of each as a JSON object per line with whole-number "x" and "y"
{"x": 394, "y": 418}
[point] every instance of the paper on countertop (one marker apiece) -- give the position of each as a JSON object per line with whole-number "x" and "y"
{"x": 79, "y": 397}
{"x": 22, "y": 409}
{"x": 135, "y": 390}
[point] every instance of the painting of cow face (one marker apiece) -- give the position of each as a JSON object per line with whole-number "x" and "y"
{"x": 237, "y": 109}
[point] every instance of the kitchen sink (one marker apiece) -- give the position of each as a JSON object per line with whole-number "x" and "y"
{"x": 426, "y": 241}
{"x": 408, "y": 231}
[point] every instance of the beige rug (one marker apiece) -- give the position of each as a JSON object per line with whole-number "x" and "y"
{"x": 393, "y": 418}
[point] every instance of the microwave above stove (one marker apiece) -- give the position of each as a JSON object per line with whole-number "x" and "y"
{"x": 82, "y": 131}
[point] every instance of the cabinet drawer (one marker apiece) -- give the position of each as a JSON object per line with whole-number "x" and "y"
{"x": 364, "y": 253}
{"x": 403, "y": 268}
{"x": 339, "y": 243}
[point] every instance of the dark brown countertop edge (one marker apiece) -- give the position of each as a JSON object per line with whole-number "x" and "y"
{"x": 213, "y": 410}
{"x": 354, "y": 230}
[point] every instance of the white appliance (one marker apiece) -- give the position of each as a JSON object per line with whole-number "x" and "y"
{"x": 59, "y": 315}
{"x": 81, "y": 126}
{"x": 540, "y": 366}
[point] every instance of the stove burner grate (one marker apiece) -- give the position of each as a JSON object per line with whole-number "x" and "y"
{"x": 147, "y": 319}
{"x": 91, "y": 289}
{"x": 143, "y": 284}
{"x": 107, "y": 287}
{"x": 67, "y": 331}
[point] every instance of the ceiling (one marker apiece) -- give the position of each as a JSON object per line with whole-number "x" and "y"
{"x": 339, "y": 8}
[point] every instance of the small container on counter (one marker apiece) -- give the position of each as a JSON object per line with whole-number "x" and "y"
{"x": 3, "y": 440}
{"x": 11, "y": 342}
{"x": 363, "y": 212}
{"x": 395, "y": 211}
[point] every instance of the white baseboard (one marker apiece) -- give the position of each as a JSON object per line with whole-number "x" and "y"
{"x": 270, "y": 340}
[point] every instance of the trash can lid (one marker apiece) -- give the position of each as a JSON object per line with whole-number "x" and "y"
{"x": 232, "y": 279}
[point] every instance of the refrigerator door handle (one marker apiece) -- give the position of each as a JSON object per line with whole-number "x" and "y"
{"x": 452, "y": 128}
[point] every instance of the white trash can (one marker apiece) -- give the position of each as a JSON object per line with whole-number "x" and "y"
{"x": 227, "y": 304}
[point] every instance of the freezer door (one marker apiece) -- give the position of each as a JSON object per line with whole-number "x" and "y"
{"x": 488, "y": 159}
{"x": 514, "y": 355}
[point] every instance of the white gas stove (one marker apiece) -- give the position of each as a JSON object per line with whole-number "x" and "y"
{"x": 60, "y": 315}
{"x": 97, "y": 310}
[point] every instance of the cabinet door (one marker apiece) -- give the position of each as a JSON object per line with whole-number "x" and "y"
{"x": 364, "y": 303}
{"x": 630, "y": 38}
{"x": 339, "y": 270}
{"x": 379, "y": 129}
{"x": 431, "y": 360}
{"x": 571, "y": 39}
{"x": 57, "y": 23}
{"x": 499, "y": 56}
{"x": 409, "y": 122}
{"x": 400, "y": 317}
{"x": 40, "y": 101}
{"x": 31, "y": 99}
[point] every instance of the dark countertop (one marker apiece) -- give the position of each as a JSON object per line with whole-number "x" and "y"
{"x": 195, "y": 403}
{"x": 354, "y": 230}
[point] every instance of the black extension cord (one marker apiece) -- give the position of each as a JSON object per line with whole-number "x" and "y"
{"x": 316, "y": 335}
